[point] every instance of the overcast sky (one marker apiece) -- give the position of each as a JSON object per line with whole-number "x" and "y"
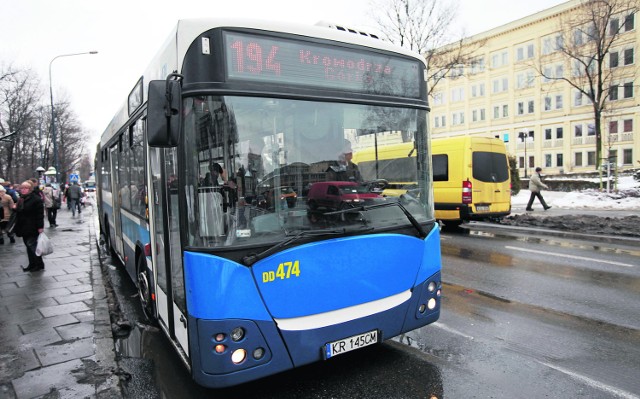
{"x": 128, "y": 33}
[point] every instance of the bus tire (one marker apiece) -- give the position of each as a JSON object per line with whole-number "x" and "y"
{"x": 144, "y": 289}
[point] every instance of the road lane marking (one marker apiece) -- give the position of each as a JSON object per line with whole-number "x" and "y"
{"x": 593, "y": 383}
{"x": 451, "y": 330}
{"x": 610, "y": 262}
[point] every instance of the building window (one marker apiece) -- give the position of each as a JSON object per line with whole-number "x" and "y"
{"x": 500, "y": 85}
{"x": 547, "y": 134}
{"x": 577, "y": 132}
{"x": 591, "y": 129}
{"x": 614, "y": 25}
{"x": 613, "y": 93}
{"x": 559, "y": 132}
{"x": 500, "y": 59}
{"x": 613, "y": 127}
{"x": 477, "y": 65}
{"x": 628, "y": 90}
{"x": 457, "y": 118}
{"x": 559, "y": 160}
{"x": 549, "y": 100}
{"x": 477, "y": 90}
{"x": 438, "y": 98}
{"x": 591, "y": 158}
{"x": 578, "y": 158}
{"x": 577, "y": 98}
{"x": 627, "y": 157}
{"x": 478, "y": 115}
{"x": 613, "y": 59}
{"x": 558, "y": 101}
{"x": 457, "y": 94}
{"x": 628, "y": 56}
{"x": 627, "y": 125}
{"x": 505, "y": 111}
{"x": 547, "y": 160}
{"x": 629, "y": 22}
{"x": 524, "y": 52}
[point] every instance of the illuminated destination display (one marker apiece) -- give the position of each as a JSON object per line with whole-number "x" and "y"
{"x": 276, "y": 60}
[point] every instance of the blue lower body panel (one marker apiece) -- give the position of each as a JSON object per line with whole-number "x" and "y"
{"x": 289, "y": 305}
{"x": 283, "y": 350}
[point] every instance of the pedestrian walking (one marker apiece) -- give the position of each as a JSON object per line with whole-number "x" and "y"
{"x": 30, "y": 223}
{"x": 535, "y": 186}
{"x": 51, "y": 204}
{"x": 75, "y": 192}
{"x": 6, "y": 209}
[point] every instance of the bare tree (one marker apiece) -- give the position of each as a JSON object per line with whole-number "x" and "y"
{"x": 425, "y": 26}
{"x": 19, "y": 96}
{"x": 72, "y": 139}
{"x": 588, "y": 43}
{"x": 85, "y": 166}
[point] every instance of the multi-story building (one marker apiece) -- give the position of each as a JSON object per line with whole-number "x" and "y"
{"x": 512, "y": 89}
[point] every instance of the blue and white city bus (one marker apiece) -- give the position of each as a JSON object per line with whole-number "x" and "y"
{"x": 206, "y": 194}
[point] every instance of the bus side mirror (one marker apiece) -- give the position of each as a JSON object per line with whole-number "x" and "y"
{"x": 164, "y": 111}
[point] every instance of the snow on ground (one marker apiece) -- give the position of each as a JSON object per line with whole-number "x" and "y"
{"x": 626, "y": 199}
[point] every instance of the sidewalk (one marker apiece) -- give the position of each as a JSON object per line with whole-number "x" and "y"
{"x": 56, "y": 337}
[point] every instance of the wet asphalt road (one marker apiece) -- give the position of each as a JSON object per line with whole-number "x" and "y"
{"x": 523, "y": 316}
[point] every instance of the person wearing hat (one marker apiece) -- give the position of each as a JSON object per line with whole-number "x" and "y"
{"x": 344, "y": 169}
{"x": 535, "y": 186}
{"x": 6, "y": 209}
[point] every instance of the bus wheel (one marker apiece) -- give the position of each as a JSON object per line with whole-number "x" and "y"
{"x": 144, "y": 290}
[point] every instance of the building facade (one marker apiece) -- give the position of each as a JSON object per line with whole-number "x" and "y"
{"x": 513, "y": 89}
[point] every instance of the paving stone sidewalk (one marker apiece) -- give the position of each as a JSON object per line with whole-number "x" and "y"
{"x": 55, "y": 332}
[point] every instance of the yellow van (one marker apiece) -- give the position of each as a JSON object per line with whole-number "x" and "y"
{"x": 471, "y": 179}
{"x": 471, "y": 176}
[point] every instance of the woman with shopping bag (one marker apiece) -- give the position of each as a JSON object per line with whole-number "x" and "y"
{"x": 30, "y": 223}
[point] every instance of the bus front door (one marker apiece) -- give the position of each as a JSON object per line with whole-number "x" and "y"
{"x": 167, "y": 248}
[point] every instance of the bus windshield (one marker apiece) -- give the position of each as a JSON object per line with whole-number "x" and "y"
{"x": 258, "y": 169}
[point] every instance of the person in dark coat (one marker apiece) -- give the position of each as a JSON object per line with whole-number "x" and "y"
{"x": 30, "y": 223}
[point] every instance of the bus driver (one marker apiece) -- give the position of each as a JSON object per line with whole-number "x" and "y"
{"x": 344, "y": 169}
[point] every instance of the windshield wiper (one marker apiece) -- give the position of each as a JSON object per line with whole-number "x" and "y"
{"x": 363, "y": 208}
{"x": 253, "y": 258}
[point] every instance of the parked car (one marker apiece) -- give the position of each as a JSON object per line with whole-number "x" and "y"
{"x": 336, "y": 195}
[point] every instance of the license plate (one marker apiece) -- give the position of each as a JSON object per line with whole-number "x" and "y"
{"x": 482, "y": 208}
{"x": 336, "y": 348}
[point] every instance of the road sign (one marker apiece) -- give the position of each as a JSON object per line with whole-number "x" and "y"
{"x": 74, "y": 177}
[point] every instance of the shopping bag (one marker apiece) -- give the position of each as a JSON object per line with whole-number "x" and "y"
{"x": 45, "y": 247}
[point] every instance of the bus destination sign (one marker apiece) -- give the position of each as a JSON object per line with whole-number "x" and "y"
{"x": 275, "y": 60}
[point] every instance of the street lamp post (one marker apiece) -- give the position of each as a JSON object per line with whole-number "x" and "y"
{"x": 523, "y": 136}
{"x": 53, "y": 114}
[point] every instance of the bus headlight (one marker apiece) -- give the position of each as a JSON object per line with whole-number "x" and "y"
{"x": 432, "y": 286}
{"x": 238, "y": 356}
{"x": 237, "y": 334}
{"x": 258, "y": 353}
{"x": 431, "y": 303}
